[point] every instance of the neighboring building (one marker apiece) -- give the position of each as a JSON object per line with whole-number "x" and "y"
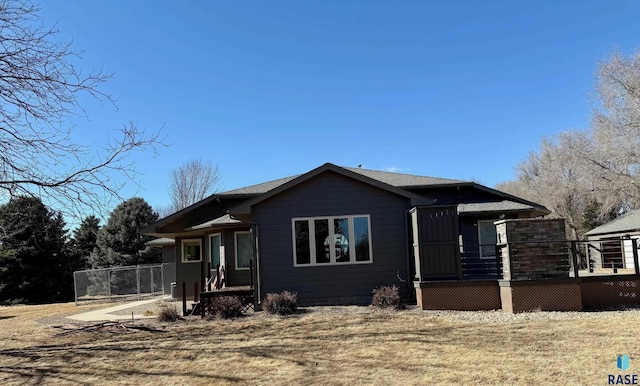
{"x": 334, "y": 234}
{"x": 612, "y": 245}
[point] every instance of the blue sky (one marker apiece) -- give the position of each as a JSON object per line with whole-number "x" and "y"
{"x": 268, "y": 89}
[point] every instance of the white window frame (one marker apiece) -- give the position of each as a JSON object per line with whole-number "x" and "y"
{"x": 332, "y": 252}
{"x": 480, "y": 242}
{"x": 235, "y": 246}
{"x": 182, "y": 244}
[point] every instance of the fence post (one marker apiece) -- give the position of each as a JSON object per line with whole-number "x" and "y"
{"x": 634, "y": 245}
{"x": 574, "y": 258}
{"x": 75, "y": 287}
{"x": 138, "y": 280}
{"x": 162, "y": 278}
{"x": 152, "y": 286}
{"x": 196, "y": 292}
{"x": 109, "y": 283}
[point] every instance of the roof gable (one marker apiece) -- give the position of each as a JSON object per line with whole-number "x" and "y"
{"x": 398, "y": 180}
{"x": 245, "y": 207}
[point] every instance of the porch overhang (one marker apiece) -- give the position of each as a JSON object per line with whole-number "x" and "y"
{"x": 500, "y": 207}
{"x": 218, "y": 223}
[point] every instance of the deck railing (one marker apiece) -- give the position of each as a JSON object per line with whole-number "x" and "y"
{"x": 480, "y": 262}
{"x": 604, "y": 257}
{"x": 581, "y": 259}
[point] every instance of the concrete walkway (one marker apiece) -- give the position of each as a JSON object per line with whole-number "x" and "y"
{"x": 106, "y": 314}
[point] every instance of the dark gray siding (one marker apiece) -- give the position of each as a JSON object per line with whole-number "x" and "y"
{"x": 188, "y": 273}
{"x": 168, "y": 254}
{"x": 234, "y": 277}
{"x": 331, "y": 194}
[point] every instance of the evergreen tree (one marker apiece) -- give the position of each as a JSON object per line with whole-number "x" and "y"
{"x": 85, "y": 236}
{"x": 36, "y": 263}
{"x": 119, "y": 241}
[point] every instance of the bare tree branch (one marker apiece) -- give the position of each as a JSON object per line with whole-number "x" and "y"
{"x": 40, "y": 87}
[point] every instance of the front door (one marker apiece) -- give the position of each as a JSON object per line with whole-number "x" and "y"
{"x": 217, "y": 251}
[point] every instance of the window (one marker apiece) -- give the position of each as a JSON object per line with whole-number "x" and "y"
{"x": 331, "y": 240}
{"x": 244, "y": 249}
{"x": 487, "y": 238}
{"x": 215, "y": 243}
{"x": 191, "y": 250}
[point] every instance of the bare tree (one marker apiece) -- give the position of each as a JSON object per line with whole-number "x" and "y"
{"x": 557, "y": 178}
{"x": 40, "y": 88}
{"x": 192, "y": 182}
{"x": 596, "y": 172}
{"x": 616, "y": 129}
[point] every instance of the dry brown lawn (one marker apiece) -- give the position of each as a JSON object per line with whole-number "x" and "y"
{"x": 351, "y": 346}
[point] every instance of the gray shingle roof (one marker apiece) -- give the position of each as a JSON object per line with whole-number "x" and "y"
{"x": 501, "y": 206}
{"x": 220, "y": 221}
{"x": 258, "y": 188}
{"x": 628, "y": 222}
{"x": 159, "y": 242}
{"x": 398, "y": 180}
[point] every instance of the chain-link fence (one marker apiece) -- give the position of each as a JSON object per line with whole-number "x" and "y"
{"x": 115, "y": 283}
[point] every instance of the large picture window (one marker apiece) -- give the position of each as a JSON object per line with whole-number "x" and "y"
{"x": 244, "y": 249}
{"x": 331, "y": 240}
{"x": 487, "y": 237}
{"x": 191, "y": 250}
{"x": 217, "y": 250}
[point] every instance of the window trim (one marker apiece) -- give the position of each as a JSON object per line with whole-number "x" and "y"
{"x": 480, "y": 244}
{"x": 332, "y": 255}
{"x": 235, "y": 250}
{"x": 182, "y": 255}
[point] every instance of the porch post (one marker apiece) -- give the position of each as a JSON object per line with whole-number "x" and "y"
{"x": 634, "y": 245}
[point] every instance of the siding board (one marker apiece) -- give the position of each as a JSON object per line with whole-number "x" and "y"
{"x": 331, "y": 194}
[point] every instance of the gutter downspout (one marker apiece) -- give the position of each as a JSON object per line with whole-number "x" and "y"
{"x": 412, "y": 293}
{"x": 256, "y": 253}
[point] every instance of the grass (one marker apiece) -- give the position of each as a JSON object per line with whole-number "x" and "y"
{"x": 318, "y": 347}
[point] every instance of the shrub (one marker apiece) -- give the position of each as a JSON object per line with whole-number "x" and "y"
{"x": 168, "y": 314}
{"x": 386, "y": 298}
{"x": 284, "y": 303}
{"x": 225, "y": 307}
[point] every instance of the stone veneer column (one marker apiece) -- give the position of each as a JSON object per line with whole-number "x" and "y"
{"x": 535, "y": 259}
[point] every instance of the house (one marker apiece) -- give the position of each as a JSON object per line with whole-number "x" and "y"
{"x": 611, "y": 244}
{"x": 333, "y": 234}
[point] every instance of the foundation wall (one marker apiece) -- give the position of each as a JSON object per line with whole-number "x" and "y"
{"x": 541, "y": 295}
{"x": 610, "y": 291}
{"x": 462, "y": 296}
